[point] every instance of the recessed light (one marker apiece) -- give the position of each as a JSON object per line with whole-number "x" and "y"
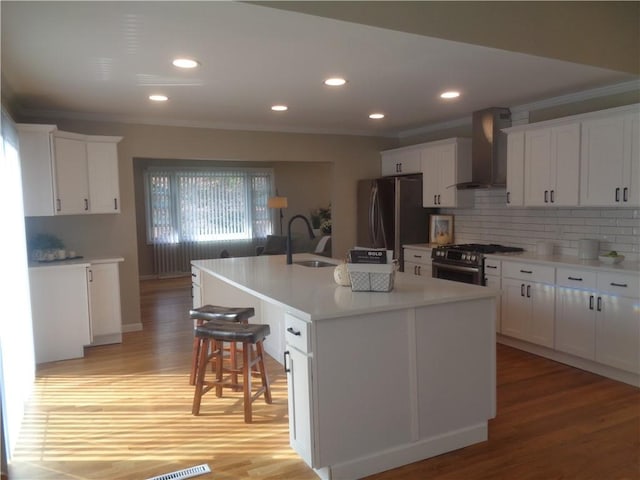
{"x": 450, "y": 94}
{"x": 185, "y": 63}
{"x": 158, "y": 98}
{"x": 335, "y": 82}
{"x": 279, "y": 108}
{"x": 376, "y": 116}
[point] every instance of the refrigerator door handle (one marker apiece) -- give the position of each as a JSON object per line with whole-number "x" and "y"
{"x": 373, "y": 215}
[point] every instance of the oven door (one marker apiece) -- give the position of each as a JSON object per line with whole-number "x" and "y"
{"x": 457, "y": 273}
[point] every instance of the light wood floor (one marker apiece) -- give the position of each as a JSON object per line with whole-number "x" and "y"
{"x": 123, "y": 412}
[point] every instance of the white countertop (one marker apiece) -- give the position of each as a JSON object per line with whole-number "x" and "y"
{"x": 625, "y": 266}
{"x": 75, "y": 262}
{"x": 312, "y": 294}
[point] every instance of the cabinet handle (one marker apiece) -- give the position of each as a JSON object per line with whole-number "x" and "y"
{"x": 58, "y": 205}
{"x": 577, "y": 279}
{"x": 435, "y": 199}
{"x": 419, "y": 270}
{"x": 439, "y": 199}
{"x": 508, "y": 197}
{"x": 193, "y": 275}
{"x": 90, "y": 275}
{"x": 417, "y": 256}
{"x": 286, "y": 368}
{"x": 115, "y": 203}
{"x": 552, "y": 195}
{"x": 294, "y": 332}
{"x": 522, "y": 289}
{"x": 526, "y": 271}
{"x": 415, "y": 270}
{"x": 528, "y": 291}
{"x": 546, "y": 196}
{"x": 599, "y": 307}
{"x": 623, "y": 285}
{"x": 590, "y": 302}
{"x": 86, "y": 204}
{"x": 625, "y": 194}
{"x": 491, "y": 266}
{"x": 618, "y": 194}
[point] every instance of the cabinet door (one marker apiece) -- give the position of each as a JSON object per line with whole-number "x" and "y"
{"x": 102, "y": 165}
{"x": 516, "y": 308}
{"x": 37, "y": 170}
{"x": 447, "y": 176}
{"x": 72, "y": 185}
{"x": 618, "y": 332}
{"x": 575, "y": 322}
{"x": 430, "y": 176}
{"x": 298, "y": 367}
{"x": 400, "y": 162}
{"x": 602, "y": 161}
{"x": 104, "y": 302}
{"x": 494, "y": 282}
{"x": 538, "y": 166}
{"x": 540, "y": 328}
{"x": 565, "y": 181}
{"x": 515, "y": 169}
{"x": 631, "y": 172}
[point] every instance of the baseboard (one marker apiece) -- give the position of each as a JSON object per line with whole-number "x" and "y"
{"x": 131, "y": 327}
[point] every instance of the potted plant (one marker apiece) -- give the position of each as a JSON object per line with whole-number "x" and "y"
{"x": 321, "y": 220}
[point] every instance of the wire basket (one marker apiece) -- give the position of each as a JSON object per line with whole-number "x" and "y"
{"x": 370, "y": 277}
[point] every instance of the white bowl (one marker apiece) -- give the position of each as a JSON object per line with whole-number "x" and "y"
{"x": 611, "y": 260}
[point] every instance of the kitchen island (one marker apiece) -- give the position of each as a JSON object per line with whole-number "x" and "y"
{"x": 376, "y": 380}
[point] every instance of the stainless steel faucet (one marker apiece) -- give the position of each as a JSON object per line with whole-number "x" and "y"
{"x": 311, "y": 235}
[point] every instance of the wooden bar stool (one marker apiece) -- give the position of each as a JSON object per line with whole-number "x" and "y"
{"x": 212, "y": 336}
{"x": 216, "y": 313}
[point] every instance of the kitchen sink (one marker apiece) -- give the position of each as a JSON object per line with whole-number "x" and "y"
{"x": 314, "y": 263}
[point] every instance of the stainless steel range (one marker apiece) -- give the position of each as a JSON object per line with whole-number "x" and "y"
{"x": 464, "y": 263}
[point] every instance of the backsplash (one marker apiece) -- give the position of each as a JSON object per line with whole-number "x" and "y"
{"x": 491, "y": 221}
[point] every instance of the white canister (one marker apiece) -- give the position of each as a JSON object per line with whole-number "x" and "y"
{"x": 588, "y": 249}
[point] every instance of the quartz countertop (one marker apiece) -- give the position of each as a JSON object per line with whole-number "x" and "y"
{"x": 312, "y": 294}
{"x": 85, "y": 261}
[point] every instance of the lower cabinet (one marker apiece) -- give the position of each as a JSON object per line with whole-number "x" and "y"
{"x": 417, "y": 261}
{"x": 528, "y": 311}
{"x": 104, "y": 303}
{"x": 492, "y": 279}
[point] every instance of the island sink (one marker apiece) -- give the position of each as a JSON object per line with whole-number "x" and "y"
{"x": 314, "y": 263}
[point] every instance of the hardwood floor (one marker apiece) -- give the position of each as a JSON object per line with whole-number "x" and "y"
{"x": 124, "y": 412}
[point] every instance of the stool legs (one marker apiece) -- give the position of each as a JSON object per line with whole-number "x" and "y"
{"x": 252, "y": 363}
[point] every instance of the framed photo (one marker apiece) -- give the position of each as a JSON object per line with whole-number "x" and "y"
{"x": 441, "y": 229}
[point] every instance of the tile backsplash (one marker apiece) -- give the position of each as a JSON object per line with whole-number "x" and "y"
{"x": 491, "y": 221}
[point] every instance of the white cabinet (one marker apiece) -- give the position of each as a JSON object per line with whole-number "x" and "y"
{"x": 66, "y": 173}
{"x": 445, "y": 164}
{"x": 59, "y": 311}
{"x": 102, "y": 171}
{"x": 515, "y": 169}
{"x": 493, "y": 279}
{"x": 71, "y": 174}
{"x": 298, "y": 365}
{"x": 104, "y": 303}
{"x": 610, "y": 173}
{"x": 196, "y": 287}
{"x": 400, "y": 161}
{"x": 417, "y": 261}
{"x": 597, "y": 317}
{"x": 552, "y": 163}
{"x": 528, "y": 298}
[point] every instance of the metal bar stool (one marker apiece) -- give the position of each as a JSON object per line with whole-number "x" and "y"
{"x": 215, "y": 313}
{"x": 212, "y": 337}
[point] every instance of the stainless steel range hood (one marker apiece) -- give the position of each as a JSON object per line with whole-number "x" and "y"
{"x": 488, "y": 149}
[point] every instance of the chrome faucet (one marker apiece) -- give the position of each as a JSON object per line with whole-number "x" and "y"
{"x": 311, "y": 235}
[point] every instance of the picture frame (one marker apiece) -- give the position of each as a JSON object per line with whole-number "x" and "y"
{"x": 441, "y": 229}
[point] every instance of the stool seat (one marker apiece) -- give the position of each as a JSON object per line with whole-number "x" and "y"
{"x": 225, "y": 314}
{"x": 234, "y": 332}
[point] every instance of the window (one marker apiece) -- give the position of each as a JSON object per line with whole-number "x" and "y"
{"x": 207, "y": 204}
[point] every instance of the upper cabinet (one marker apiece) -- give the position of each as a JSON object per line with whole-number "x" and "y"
{"x": 552, "y": 162}
{"x": 65, "y": 173}
{"x": 592, "y": 159}
{"x": 446, "y": 163}
{"x": 400, "y": 161}
{"x": 610, "y": 172}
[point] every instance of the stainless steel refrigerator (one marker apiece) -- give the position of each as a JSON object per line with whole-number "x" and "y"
{"x": 390, "y": 213}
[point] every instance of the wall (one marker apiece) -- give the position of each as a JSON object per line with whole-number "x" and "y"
{"x": 351, "y": 157}
{"x": 491, "y": 221}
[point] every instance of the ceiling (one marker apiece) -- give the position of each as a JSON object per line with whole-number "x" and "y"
{"x": 101, "y": 60}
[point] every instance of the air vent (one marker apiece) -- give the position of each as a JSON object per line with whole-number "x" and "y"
{"x": 185, "y": 473}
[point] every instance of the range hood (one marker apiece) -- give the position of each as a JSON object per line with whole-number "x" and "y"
{"x": 488, "y": 149}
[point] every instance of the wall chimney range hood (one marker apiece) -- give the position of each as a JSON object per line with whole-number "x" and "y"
{"x": 488, "y": 149}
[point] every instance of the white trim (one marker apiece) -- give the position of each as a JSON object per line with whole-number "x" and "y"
{"x": 131, "y": 327}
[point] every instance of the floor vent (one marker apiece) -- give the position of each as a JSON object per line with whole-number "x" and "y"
{"x": 185, "y": 473}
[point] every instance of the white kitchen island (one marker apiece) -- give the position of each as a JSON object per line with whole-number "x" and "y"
{"x": 376, "y": 380}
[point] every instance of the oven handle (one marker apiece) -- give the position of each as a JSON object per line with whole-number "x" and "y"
{"x": 456, "y": 268}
